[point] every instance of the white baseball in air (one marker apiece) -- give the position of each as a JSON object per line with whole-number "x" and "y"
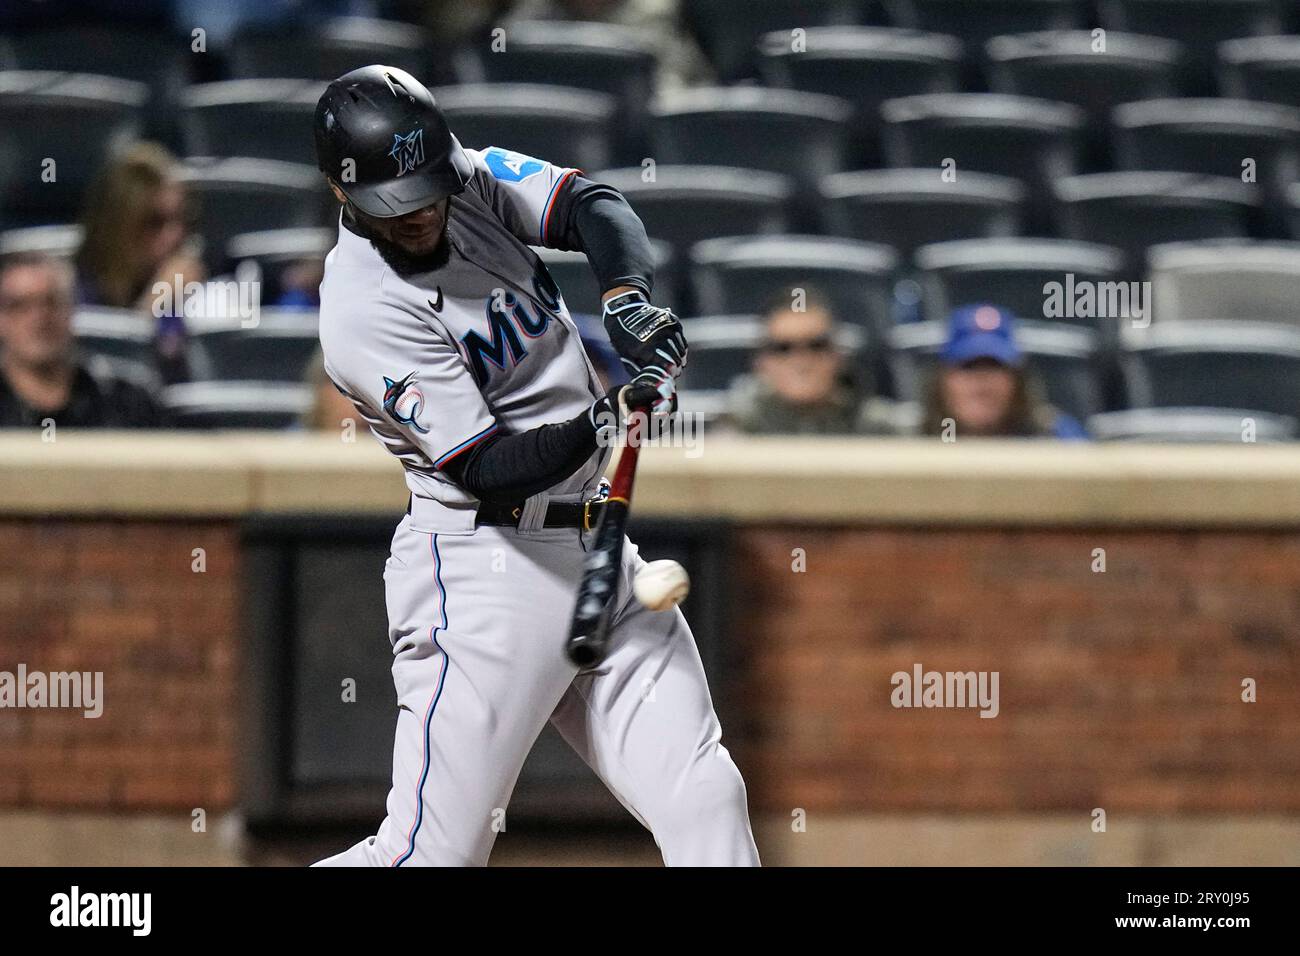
{"x": 661, "y": 585}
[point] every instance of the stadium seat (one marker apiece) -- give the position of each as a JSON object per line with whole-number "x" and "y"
{"x": 1215, "y": 364}
{"x": 1062, "y": 358}
{"x": 336, "y": 46}
{"x": 125, "y": 334}
{"x": 76, "y": 120}
{"x": 127, "y": 51}
{"x": 1136, "y": 210}
{"x": 62, "y": 241}
{"x": 975, "y": 21}
{"x": 1014, "y": 273}
{"x": 1034, "y": 140}
{"x": 803, "y": 135}
{"x": 249, "y": 195}
{"x": 269, "y": 253}
{"x": 1216, "y": 137}
{"x": 1198, "y": 24}
{"x": 741, "y": 275}
{"x": 1193, "y": 425}
{"x": 685, "y": 204}
{"x": 604, "y": 58}
{"x": 728, "y": 30}
{"x": 1261, "y": 68}
{"x": 563, "y": 126}
{"x": 1066, "y": 66}
{"x": 260, "y": 119}
{"x": 907, "y": 208}
{"x": 1293, "y": 210}
{"x": 237, "y": 404}
{"x": 1257, "y": 281}
{"x": 580, "y": 289}
{"x": 865, "y": 66}
{"x": 277, "y": 349}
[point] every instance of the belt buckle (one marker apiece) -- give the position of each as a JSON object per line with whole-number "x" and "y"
{"x": 586, "y": 513}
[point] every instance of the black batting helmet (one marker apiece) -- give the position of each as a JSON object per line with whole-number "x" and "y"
{"x": 381, "y": 137}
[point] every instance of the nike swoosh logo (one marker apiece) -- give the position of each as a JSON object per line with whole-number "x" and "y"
{"x": 436, "y": 305}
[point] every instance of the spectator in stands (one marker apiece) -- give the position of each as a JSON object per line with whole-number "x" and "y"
{"x": 681, "y": 63}
{"x": 800, "y": 383}
{"x": 40, "y": 376}
{"x": 137, "y": 234}
{"x": 981, "y": 387}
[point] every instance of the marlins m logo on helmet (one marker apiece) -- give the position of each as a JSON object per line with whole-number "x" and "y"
{"x": 408, "y": 150}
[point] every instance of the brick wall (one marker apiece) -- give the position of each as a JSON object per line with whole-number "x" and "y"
{"x": 1119, "y": 690}
{"x": 121, "y": 597}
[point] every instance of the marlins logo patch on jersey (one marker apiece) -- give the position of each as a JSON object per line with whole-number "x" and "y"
{"x": 404, "y": 401}
{"x": 408, "y": 150}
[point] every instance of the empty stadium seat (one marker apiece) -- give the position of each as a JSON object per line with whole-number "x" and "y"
{"x": 907, "y": 208}
{"x": 334, "y": 47}
{"x": 865, "y": 66}
{"x": 685, "y": 204}
{"x": 62, "y": 241}
{"x": 237, "y": 404}
{"x": 1198, "y": 24}
{"x": 277, "y": 349}
{"x": 76, "y": 120}
{"x": 1215, "y": 364}
{"x": 1216, "y": 137}
{"x": 741, "y": 275}
{"x": 271, "y": 252}
{"x": 1261, "y": 68}
{"x": 563, "y": 126}
{"x": 606, "y": 58}
{"x": 250, "y": 195}
{"x": 115, "y": 333}
{"x": 1192, "y": 425}
{"x": 1257, "y": 281}
{"x": 1064, "y": 359}
{"x": 1034, "y": 140}
{"x": 261, "y": 119}
{"x": 975, "y": 21}
{"x": 803, "y": 135}
{"x": 1067, "y": 67}
{"x": 1015, "y": 273}
{"x": 128, "y": 51}
{"x": 728, "y": 30}
{"x": 1136, "y": 210}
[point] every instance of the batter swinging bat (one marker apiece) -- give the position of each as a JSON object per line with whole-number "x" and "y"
{"x": 589, "y": 633}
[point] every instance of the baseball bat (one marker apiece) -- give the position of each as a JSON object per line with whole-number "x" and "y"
{"x": 589, "y": 633}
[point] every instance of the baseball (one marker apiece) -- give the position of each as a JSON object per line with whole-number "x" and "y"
{"x": 661, "y": 585}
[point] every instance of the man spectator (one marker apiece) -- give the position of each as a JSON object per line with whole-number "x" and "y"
{"x": 40, "y": 375}
{"x": 800, "y": 383}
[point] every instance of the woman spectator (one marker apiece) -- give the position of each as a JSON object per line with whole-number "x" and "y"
{"x": 136, "y": 233}
{"x": 981, "y": 387}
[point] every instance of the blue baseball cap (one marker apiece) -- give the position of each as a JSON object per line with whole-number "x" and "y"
{"x": 980, "y": 331}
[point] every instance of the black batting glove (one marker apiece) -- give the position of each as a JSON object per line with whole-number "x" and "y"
{"x": 646, "y": 337}
{"x": 610, "y": 412}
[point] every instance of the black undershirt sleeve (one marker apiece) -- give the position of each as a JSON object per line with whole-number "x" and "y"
{"x": 594, "y": 218}
{"x": 509, "y": 468}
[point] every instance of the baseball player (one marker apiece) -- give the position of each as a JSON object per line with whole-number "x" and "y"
{"x": 448, "y": 334}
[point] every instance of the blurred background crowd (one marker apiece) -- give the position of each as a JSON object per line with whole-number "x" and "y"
{"x": 860, "y": 206}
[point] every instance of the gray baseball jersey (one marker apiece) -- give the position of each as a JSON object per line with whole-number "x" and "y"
{"x": 437, "y": 362}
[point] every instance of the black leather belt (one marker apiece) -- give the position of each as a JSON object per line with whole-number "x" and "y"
{"x": 559, "y": 514}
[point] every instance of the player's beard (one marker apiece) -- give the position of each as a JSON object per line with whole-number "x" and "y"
{"x": 401, "y": 261}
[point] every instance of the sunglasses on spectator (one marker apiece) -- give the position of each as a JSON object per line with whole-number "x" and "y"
{"x": 821, "y": 343}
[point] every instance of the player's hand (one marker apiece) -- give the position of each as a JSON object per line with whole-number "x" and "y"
{"x": 610, "y": 412}
{"x": 646, "y": 337}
